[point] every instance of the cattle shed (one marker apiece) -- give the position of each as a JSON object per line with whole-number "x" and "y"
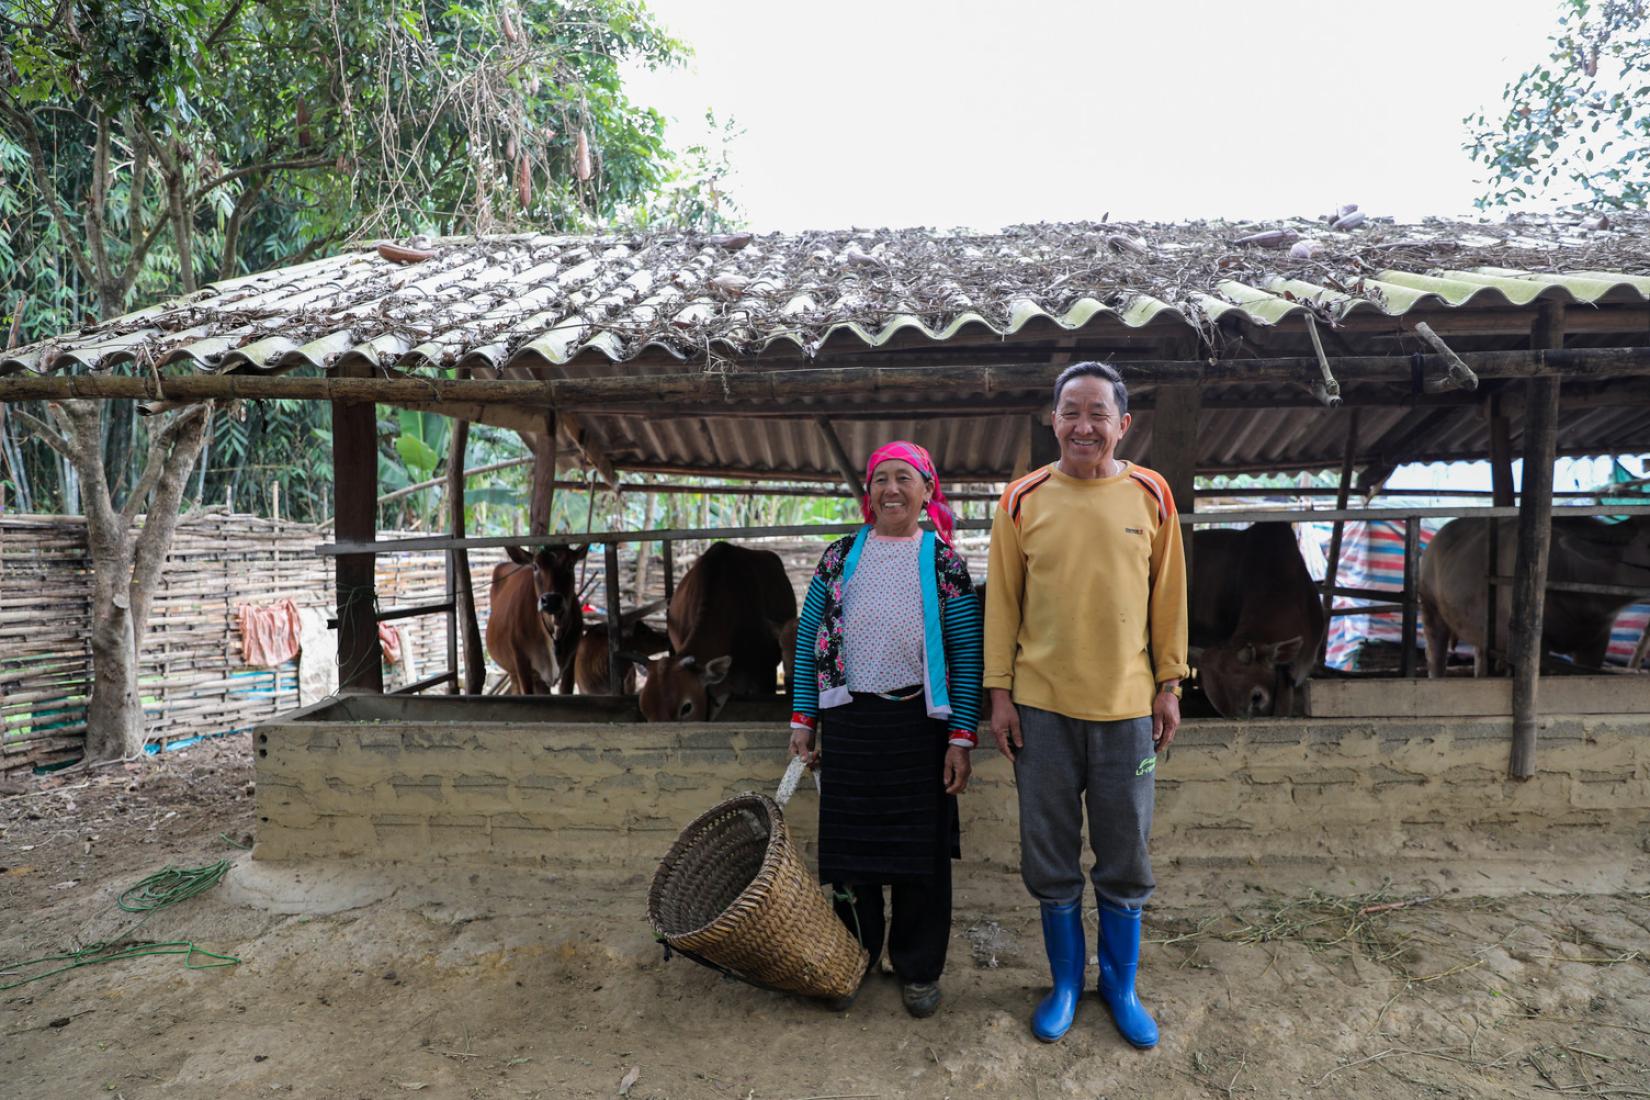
{"x": 1285, "y": 346}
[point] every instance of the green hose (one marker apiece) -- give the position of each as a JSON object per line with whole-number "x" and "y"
{"x": 161, "y": 890}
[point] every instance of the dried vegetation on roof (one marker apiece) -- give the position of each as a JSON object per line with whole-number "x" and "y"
{"x": 482, "y": 302}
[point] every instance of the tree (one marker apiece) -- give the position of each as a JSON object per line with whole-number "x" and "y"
{"x": 1576, "y": 126}
{"x": 162, "y": 143}
{"x": 126, "y": 559}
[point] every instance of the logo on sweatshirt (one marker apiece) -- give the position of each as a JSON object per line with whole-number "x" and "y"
{"x": 1134, "y": 530}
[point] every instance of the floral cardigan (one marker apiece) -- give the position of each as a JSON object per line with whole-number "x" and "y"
{"x": 953, "y": 656}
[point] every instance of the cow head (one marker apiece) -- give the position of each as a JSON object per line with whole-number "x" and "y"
{"x": 1243, "y": 679}
{"x": 678, "y": 689}
{"x": 553, "y": 581}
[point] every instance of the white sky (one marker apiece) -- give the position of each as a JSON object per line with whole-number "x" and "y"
{"x": 896, "y": 113}
{"x": 902, "y": 113}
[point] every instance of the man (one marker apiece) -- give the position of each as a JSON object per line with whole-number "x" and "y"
{"x": 1085, "y": 646}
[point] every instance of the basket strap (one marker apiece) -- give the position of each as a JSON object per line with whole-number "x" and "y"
{"x": 792, "y": 779}
{"x": 718, "y": 967}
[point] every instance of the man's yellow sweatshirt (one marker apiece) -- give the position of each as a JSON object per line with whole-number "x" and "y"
{"x": 1085, "y": 604}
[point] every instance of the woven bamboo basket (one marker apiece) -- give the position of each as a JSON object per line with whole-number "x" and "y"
{"x": 734, "y": 890}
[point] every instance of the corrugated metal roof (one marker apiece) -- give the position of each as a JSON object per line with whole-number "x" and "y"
{"x": 531, "y": 301}
{"x": 547, "y": 304}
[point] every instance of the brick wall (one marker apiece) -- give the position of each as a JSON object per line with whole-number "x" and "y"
{"x": 615, "y": 795}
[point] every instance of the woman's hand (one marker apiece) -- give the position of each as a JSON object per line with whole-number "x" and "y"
{"x": 802, "y": 744}
{"x": 957, "y": 769}
{"x": 1005, "y": 723}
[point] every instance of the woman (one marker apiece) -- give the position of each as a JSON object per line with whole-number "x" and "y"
{"x": 888, "y": 648}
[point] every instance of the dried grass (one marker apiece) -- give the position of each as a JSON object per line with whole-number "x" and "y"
{"x": 705, "y": 299}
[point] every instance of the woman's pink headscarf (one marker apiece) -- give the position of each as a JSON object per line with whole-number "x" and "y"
{"x": 917, "y": 455}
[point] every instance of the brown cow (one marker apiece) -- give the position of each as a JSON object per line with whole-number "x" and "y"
{"x": 725, "y": 624}
{"x": 535, "y": 620}
{"x": 638, "y": 642}
{"x": 1452, "y": 585}
{"x": 1256, "y": 619}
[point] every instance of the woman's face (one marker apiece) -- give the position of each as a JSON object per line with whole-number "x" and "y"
{"x": 898, "y": 493}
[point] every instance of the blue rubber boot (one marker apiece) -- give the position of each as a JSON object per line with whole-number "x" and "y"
{"x": 1119, "y": 954}
{"x": 1063, "y": 939}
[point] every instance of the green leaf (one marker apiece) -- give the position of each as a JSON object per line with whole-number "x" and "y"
{"x": 416, "y": 454}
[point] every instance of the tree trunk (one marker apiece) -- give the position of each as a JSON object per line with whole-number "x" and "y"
{"x": 183, "y": 230}
{"x": 114, "y": 713}
{"x": 126, "y": 563}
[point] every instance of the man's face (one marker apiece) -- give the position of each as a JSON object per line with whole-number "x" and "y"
{"x": 1086, "y": 423}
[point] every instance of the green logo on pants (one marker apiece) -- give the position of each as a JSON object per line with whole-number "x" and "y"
{"x": 1146, "y": 766}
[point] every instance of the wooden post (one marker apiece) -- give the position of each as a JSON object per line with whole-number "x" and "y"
{"x": 1041, "y": 447}
{"x": 355, "y": 487}
{"x": 461, "y": 590}
{"x": 1174, "y": 450}
{"x": 1044, "y": 447}
{"x": 1502, "y": 489}
{"x": 1343, "y": 496}
{"x": 1412, "y": 554}
{"x": 1535, "y": 525}
{"x": 456, "y": 683}
{"x": 668, "y": 548}
{"x": 610, "y": 567}
{"x": 541, "y": 503}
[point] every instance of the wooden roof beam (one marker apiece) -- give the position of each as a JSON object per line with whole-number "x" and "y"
{"x": 696, "y": 392}
{"x": 839, "y": 455}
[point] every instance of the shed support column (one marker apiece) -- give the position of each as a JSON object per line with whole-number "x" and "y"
{"x": 541, "y": 505}
{"x": 1343, "y": 496}
{"x": 1535, "y": 523}
{"x": 463, "y": 587}
{"x": 355, "y": 488}
{"x": 610, "y": 573}
{"x": 1502, "y": 487}
{"x": 1412, "y": 561}
{"x": 1041, "y": 446}
{"x": 1044, "y": 447}
{"x": 1175, "y": 418}
{"x": 668, "y": 549}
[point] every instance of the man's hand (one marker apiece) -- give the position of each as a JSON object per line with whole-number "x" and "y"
{"x": 802, "y": 744}
{"x": 1165, "y": 719}
{"x": 957, "y": 769}
{"x": 1005, "y": 723}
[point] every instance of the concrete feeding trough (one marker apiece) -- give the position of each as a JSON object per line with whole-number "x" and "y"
{"x": 569, "y": 781}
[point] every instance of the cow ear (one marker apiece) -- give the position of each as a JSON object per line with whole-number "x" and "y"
{"x": 717, "y": 670}
{"x": 1286, "y": 651}
{"x": 569, "y": 556}
{"x": 518, "y": 555}
{"x": 1246, "y": 655}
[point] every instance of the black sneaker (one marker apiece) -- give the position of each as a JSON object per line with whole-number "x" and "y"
{"x": 922, "y": 999}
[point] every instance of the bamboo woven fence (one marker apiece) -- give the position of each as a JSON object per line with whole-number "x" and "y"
{"x": 194, "y": 679}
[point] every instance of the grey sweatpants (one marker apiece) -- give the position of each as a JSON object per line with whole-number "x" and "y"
{"x": 1109, "y": 766}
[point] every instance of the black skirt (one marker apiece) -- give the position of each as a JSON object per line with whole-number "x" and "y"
{"x": 884, "y": 815}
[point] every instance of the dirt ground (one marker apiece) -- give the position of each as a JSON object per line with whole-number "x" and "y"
{"x": 1487, "y": 967}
